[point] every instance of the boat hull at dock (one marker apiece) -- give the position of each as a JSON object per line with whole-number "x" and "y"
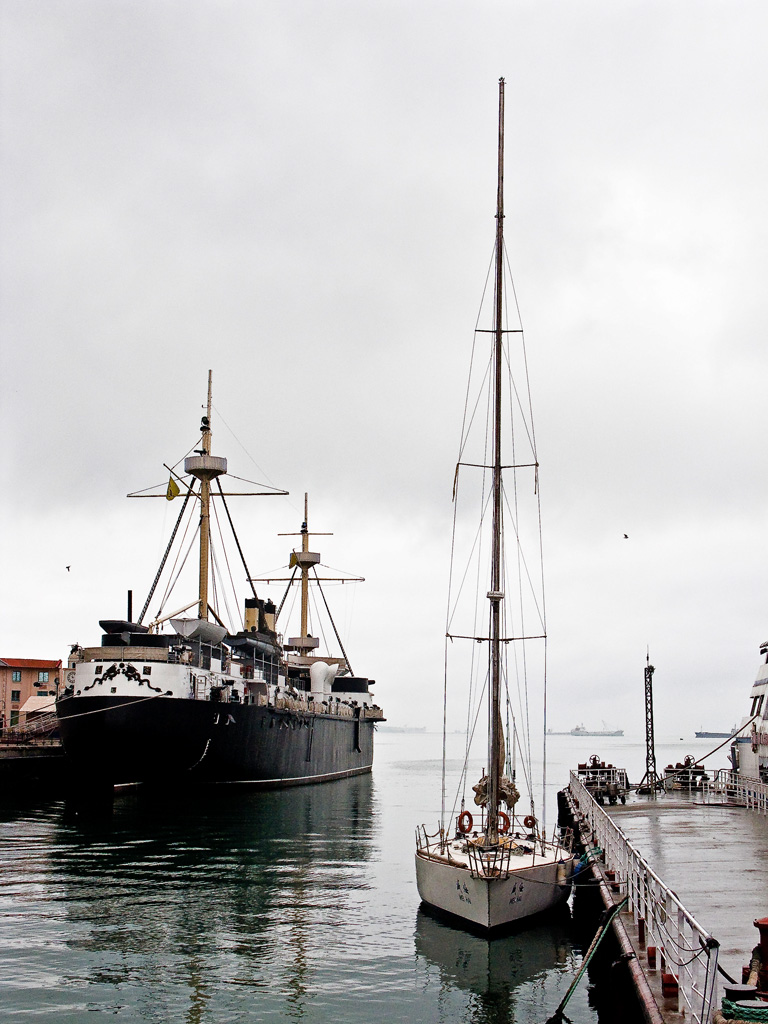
{"x": 496, "y": 902}
{"x": 167, "y": 739}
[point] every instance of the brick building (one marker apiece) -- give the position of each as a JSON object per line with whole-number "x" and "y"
{"x": 21, "y": 678}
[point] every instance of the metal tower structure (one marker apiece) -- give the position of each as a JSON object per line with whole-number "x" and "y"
{"x": 650, "y": 782}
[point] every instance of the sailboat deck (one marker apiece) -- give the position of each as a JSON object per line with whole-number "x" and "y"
{"x": 514, "y": 854}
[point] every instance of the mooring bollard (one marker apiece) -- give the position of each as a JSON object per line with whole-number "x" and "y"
{"x": 668, "y": 985}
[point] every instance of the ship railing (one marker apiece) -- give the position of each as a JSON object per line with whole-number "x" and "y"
{"x": 685, "y": 949}
{"x": 736, "y": 788}
{"x": 432, "y": 844}
{"x": 489, "y": 862}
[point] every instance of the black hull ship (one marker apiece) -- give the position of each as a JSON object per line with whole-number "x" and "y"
{"x": 203, "y": 703}
{"x": 267, "y": 746}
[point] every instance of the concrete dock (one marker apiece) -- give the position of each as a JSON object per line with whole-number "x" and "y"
{"x": 714, "y": 856}
{"x": 696, "y": 877}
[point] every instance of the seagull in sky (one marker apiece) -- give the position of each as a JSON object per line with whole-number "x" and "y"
{"x": 69, "y": 567}
{"x": 626, "y": 536}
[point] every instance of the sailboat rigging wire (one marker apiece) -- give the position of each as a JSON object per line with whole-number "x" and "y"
{"x": 469, "y": 733}
{"x": 471, "y": 726}
{"x": 543, "y": 613}
{"x": 165, "y": 557}
{"x": 476, "y": 544}
{"x": 234, "y": 534}
{"x": 484, "y": 503}
{"x": 341, "y": 645}
{"x": 523, "y": 349}
{"x": 480, "y": 392}
{"x": 464, "y": 426}
{"x": 533, "y": 593}
{"x": 519, "y": 655}
{"x": 445, "y": 730}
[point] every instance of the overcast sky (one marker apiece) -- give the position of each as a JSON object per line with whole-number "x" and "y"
{"x": 300, "y": 196}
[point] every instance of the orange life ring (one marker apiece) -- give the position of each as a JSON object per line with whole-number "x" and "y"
{"x": 529, "y": 821}
{"x": 503, "y": 822}
{"x": 465, "y": 822}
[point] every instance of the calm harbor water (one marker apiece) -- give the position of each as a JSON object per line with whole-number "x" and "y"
{"x": 236, "y": 906}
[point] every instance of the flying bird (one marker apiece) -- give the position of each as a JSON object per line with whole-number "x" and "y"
{"x": 626, "y": 536}
{"x": 69, "y": 567}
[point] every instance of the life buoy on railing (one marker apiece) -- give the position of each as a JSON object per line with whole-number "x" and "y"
{"x": 529, "y": 821}
{"x": 503, "y": 822}
{"x": 465, "y": 822}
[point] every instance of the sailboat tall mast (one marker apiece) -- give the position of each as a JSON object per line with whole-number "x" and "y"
{"x": 496, "y": 595}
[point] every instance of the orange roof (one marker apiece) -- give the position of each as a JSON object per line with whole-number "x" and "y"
{"x": 28, "y": 663}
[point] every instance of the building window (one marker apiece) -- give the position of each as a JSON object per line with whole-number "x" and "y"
{"x": 42, "y": 677}
{"x": 14, "y": 718}
{"x": 16, "y": 675}
{"x": 15, "y": 695}
{"x": 757, "y": 703}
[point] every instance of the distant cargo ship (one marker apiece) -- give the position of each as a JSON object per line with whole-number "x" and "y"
{"x": 402, "y": 728}
{"x": 580, "y": 730}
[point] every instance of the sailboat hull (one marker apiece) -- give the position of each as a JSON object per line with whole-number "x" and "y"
{"x": 488, "y": 903}
{"x": 123, "y": 740}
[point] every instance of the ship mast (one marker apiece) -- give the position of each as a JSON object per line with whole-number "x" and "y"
{"x": 496, "y": 595}
{"x": 304, "y": 563}
{"x": 205, "y": 467}
{"x": 304, "y": 560}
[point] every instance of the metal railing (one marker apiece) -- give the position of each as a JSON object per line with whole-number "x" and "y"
{"x": 684, "y": 948}
{"x": 39, "y": 727}
{"x": 751, "y": 792}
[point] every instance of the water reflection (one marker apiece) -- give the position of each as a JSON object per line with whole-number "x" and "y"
{"x": 207, "y": 897}
{"x": 501, "y": 972}
{"x": 295, "y": 905}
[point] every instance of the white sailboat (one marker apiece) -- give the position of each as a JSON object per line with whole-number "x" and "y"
{"x": 495, "y": 867}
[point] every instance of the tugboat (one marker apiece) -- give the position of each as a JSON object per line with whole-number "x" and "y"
{"x": 207, "y": 703}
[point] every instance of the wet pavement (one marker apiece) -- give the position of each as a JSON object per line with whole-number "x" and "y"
{"x": 715, "y": 858}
